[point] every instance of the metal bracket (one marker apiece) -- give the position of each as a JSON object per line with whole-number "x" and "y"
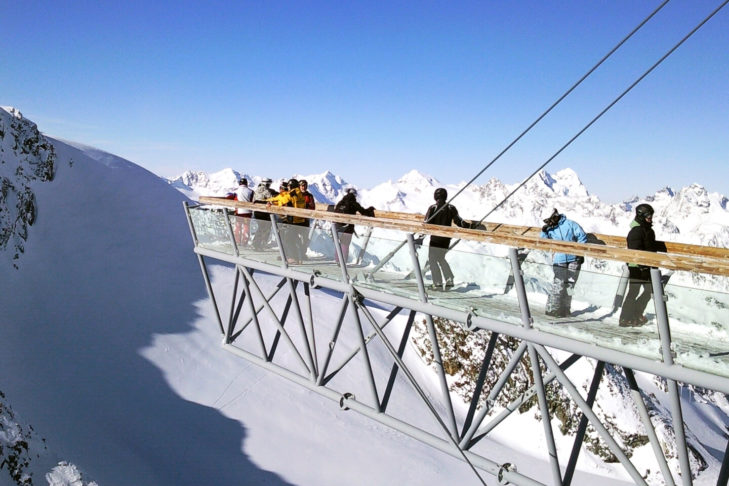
{"x": 507, "y": 467}
{"x": 346, "y": 396}
{"x": 312, "y": 279}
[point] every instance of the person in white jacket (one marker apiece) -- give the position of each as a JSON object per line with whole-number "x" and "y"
{"x": 243, "y": 215}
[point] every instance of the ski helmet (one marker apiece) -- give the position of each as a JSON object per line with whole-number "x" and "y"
{"x": 351, "y": 190}
{"x": 643, "y": 211}
{"x": 293, "y": 183}
{"x": 552, "y": 220}
{"x": 440, "y": 194}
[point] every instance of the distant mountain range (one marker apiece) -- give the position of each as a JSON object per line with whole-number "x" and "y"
{"x": 690, "y": 214}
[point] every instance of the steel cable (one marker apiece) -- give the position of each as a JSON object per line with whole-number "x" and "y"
{"x": 628, "y": 89}
{"x": 559, "y": 100}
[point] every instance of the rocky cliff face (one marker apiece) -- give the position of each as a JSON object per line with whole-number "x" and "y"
{"x": 26, "y": 158}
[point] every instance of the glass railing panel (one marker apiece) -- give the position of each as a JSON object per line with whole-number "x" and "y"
{"x": 478, "y": 279}
{"x": 212, "y": 229}
{"x": 699, "y": 321}
{"x": 588, "y": 310}
{"x": 258, "y": 243}
{"x": 481, "y": 281}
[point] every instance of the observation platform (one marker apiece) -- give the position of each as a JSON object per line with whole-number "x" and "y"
{"x": 503, "y": 275}
{"x": 694, "y": 279}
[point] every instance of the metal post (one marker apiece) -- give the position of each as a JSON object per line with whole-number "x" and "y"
{"x": 546, "y": 418}
{"x": 365, "y": 353}
{"x": 340, "y": 254}
{"x": 724, "y": 472}
{"x": 356, "y": 350}
{"x": 480, "y": 381}
{"x": 400, "y": 353}
{"x": 582, "y": 427}
{"x": 333, "y": 342}
{"x": 203, "y": 269}
{"x": 526, "y": 316}
{"x": 254, "y": 317}
{"x": 282, "y": 319}
{"x": 302, "y": 328}
{"x": 587, "y": 410}
{"x": 364, "y": 246}
{"x": 664, "y": 329}
{"x": 279, "y": 240}
{"x": 646, "y": 419}
{"x": 503, "y": 378}
{"x": 312, "y": 335}
{"x": 231, "y": 319}
{"x": 515, "y": 404}
{"x": 277, "y": 322}
{"x": 232, "y": 234}
{"x": 258, "y": 309}
{"x": 437, "y": 359}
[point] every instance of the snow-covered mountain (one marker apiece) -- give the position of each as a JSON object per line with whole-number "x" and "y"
{"x": 111, "y": 366}
{"x": 325, "y": 187}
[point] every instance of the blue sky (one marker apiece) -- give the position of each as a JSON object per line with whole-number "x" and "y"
{"x": 371, "y": 90}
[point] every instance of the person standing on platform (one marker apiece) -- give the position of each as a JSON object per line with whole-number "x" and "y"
{"x": 348, "y": 205}
{"x": 310, "y": 203}
{"x": 293, "y": 231}
{"x": 262, "y": 194}
{"x": 243, "y": 216}
{"x": 566, "y": 267}
{"x": 309, "y": 197}
{"x": 640, "y": 237}
{"x": 441, "y": 214}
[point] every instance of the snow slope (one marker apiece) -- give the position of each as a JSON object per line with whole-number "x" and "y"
{"x": 107, "y": 268}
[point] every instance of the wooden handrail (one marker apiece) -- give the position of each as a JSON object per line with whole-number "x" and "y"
{"x": 692, "y": 258}
{"x": 610, "y": 240}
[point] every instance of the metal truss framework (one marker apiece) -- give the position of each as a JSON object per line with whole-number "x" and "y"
{"x": 311, "y": 365}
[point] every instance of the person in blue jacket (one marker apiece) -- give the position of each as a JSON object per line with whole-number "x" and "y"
{"x": 566, "y": 267}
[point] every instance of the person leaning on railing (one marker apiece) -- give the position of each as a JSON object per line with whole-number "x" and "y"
{"x": 566, "y": 267}
{"x": 294, "y": 240}
{"x": 349, "y": 205}
{"x": 640, "y": 237}
{"x": 442, "y": 214}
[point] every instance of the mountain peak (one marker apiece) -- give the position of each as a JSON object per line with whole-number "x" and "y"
{"x": 416, "y": 178}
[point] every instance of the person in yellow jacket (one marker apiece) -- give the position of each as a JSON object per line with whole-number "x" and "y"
{"x": 294, "y": 233}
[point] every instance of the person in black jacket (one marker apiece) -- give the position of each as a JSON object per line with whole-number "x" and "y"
{"x": 349, "y": 205}
{"x": 640, "y": 237}
{"x": 441, "y": 214}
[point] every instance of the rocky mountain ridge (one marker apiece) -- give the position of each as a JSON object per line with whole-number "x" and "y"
{"x": 26, "y": 158}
